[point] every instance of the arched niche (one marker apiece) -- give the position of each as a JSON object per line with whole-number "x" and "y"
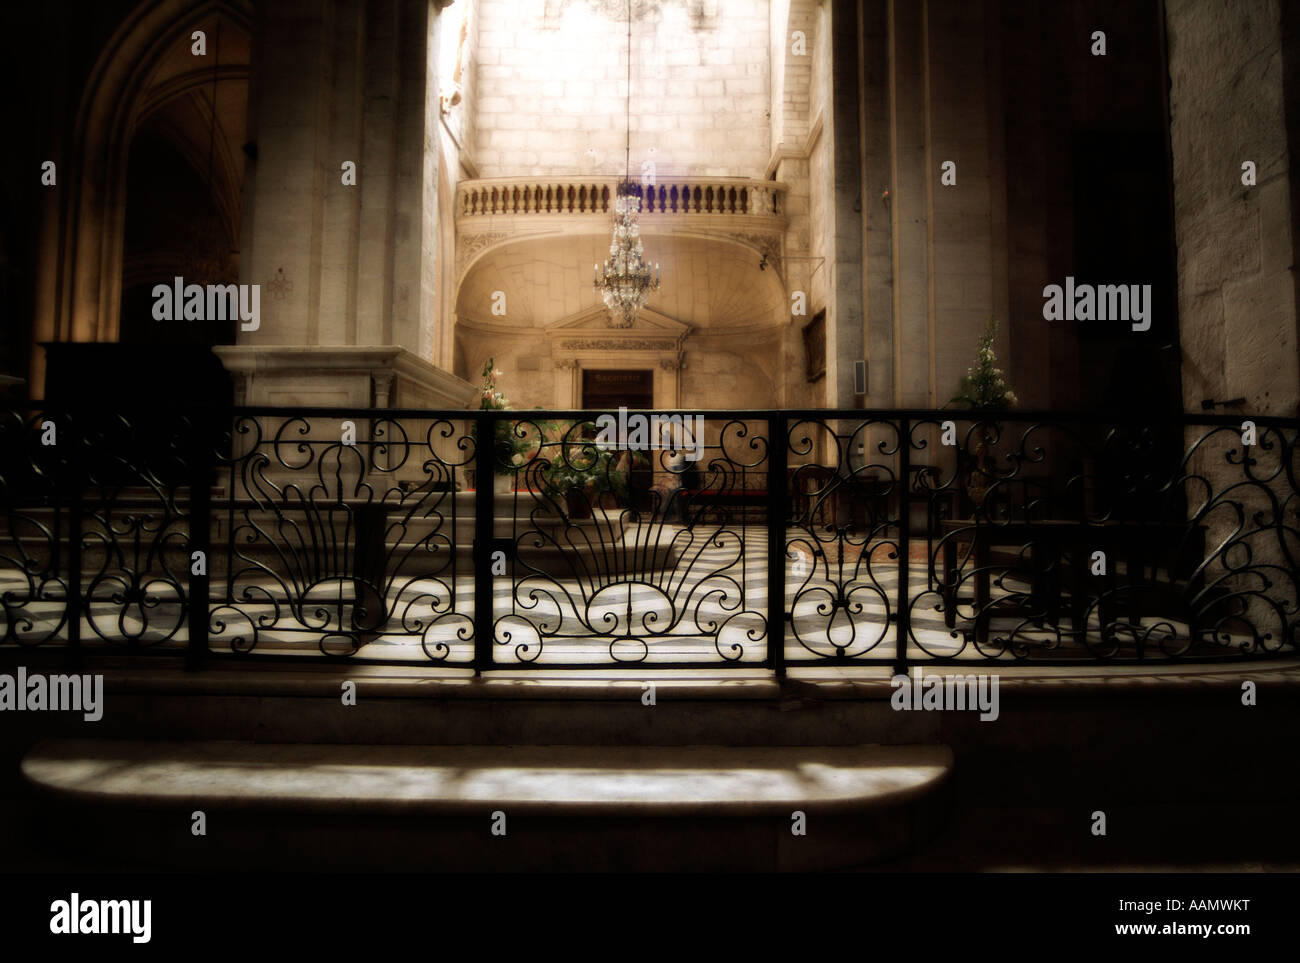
{"x": 143, "y": 72}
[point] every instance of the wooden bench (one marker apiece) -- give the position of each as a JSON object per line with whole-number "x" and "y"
{"x": 698, "y": 502}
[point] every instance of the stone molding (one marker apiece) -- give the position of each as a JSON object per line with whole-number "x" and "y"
{"x": 376, "y": 376}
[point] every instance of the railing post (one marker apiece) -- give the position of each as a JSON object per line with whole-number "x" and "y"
{"x": 777, "y": 512}
{"x": 484, "y": 472}
{"x": 904, "y": 542}
{"x": 80, "y": 477}
{"x": 200, "y": 541}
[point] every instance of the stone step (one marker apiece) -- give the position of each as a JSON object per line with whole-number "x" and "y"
{"x": 566, "y": 807}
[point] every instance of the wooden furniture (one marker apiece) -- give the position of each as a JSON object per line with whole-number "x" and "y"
{"x": 700, "y": 502}
{"x": 1060, "y": 552}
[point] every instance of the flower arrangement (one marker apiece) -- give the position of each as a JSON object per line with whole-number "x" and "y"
{"x": 509, "y": 447}
{"x": 984, "y": 385}
{"x": 577, "y": 464}
{"x": 492, "y": 398}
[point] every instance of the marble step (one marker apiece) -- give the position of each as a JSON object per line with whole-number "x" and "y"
{"x": 566, "y": 807}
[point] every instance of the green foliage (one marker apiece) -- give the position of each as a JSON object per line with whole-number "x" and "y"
{"x": 576, "y": 464}
{"x": 510, "y": 449}
{"x": 984, "y": 385}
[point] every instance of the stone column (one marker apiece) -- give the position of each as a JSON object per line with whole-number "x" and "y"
{"x": 346, "y": 260}
{"x": 966, "y": 220}
{"x": 909, "y": 187}
{"x": 1229, "y": 62}
{"x": 844, "y": 253}
{"x": 877, "y": 254}
{"x": 1232, "y": 70}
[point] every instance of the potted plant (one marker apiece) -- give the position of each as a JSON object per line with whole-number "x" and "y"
{"x": 984, "y": 387}
{"x": 579, "y": 473}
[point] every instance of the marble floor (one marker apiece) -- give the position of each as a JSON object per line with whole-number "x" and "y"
{"x": 595, "y": 601}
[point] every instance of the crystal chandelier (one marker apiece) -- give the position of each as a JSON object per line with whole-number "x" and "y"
{"x": 626, "y": 281}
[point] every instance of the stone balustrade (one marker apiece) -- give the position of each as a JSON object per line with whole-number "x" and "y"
{"x": 595, "y": 195}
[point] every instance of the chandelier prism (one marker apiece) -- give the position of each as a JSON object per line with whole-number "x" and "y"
{"x": 626, "y": 281}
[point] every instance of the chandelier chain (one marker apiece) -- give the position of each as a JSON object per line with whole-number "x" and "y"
{"x": 627, "y": 280}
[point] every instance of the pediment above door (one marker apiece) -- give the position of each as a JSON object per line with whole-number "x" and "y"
{"x": 589, "y": 331}
{"x": 585, "y": 340}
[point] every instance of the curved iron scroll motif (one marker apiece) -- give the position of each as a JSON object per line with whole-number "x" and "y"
{"x": 121, "y": 481}
{"x": 34, "y": 499}
{"x": 842, "y": 546}
{"x": 608, "y": 571}
{"x": 340, "y": 541}
{"x": 1077, "y": 542}
{"x": 927, "y": 537}
{"x": 136, "y": 525}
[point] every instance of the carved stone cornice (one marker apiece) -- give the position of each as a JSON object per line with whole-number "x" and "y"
{"x": 470, "y": 245}
{"x": 618, "y": 344}
{"x": 765, "y": 242}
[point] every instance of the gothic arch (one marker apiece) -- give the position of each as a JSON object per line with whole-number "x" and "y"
{"x": 80, "y": 285}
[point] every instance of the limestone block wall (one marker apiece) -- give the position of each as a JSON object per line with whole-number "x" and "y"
{"x": 706, "y": 284}
{"x": 779, "y": 48}
{"x": 552, "y": 77}
{"x": 1237, "y": 293}
{"x": 729, "y": 373}
{"x": 458, "y": 79}
{"x": 795, "y": 45}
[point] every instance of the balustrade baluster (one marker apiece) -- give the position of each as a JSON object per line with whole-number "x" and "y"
{"x": 710, "y": 196}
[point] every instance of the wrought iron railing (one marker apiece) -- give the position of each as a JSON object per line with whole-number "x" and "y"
{"x": 889, "y": 538}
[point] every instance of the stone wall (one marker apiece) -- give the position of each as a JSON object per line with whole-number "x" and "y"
{"x": 1237, "y": 295}
{"x": 719, "y": 371}
{"x": 1228, "y": 64}
{"x": 552, "y": 77}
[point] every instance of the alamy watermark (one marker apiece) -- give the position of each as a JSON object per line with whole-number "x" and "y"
{"x": 637, "y": 432}
{"x": 949, "y": 693}
{"x": 1101, "y": 302}
{"x": 55, "y": 693}
{"x": 179, "y": 301}
{"x": 75, "y": 916}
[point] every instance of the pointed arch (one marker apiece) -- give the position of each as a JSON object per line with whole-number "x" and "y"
{"x": 79, "y": 286}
